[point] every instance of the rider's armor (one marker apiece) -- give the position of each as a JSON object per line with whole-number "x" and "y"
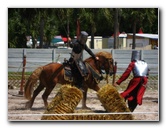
{"x": 140, "y": 68}
{"x": 76, "y": 56}
{"x": 77, "y": 65}
{"x": 76, "y": 53}
{"x": 83, "y": 37}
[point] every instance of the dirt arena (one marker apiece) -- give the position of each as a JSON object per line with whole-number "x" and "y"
{"x": 148, "y": 111}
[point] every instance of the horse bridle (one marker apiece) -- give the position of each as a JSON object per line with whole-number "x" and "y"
{"x": 101, "y": 67}
{"x": 110, "y": 62}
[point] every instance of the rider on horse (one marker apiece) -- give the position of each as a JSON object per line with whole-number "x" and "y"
{"x": 77, "y": 65}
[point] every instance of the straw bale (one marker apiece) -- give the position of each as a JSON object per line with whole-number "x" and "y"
{"x": 65, "y": 101}
{"x": 68, "y": 98}
{"x": 113, "y": 102}
{"x": 92, "y": 116}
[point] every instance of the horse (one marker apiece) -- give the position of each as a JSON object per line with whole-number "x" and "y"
{"x": 51, "y": 74}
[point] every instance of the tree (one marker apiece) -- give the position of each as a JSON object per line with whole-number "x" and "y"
{"x": 91, "y": 16}
{"x": 116, "y": 28}
{"x": 16, "y": 29}
{"x": 45, "y": 23}
{"x": 137, "y": 16}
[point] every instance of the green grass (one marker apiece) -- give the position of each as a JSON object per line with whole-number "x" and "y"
{"x": 15, "y": 77}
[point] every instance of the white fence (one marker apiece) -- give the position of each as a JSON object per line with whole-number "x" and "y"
{"x": 40, "y": 57}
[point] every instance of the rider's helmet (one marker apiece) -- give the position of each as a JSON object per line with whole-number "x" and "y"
{"x": 83, "y": 37}
{"x": 136, "y": 55}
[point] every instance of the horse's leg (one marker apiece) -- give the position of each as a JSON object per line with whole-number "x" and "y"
{"x": 46, "y": 94}
{"x": 35, "y": 93}
{"x": 96, "y": 88}
{"x": 84, "y": 99}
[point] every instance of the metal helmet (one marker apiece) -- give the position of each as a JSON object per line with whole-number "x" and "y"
{"x": 83, "y": 37}
{"x": 136, "y": 55}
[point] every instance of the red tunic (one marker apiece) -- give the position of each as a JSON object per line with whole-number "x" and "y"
{"x": 136, "y": 86}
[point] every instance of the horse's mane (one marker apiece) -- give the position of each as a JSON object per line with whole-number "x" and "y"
{"x": 104, "y": 54}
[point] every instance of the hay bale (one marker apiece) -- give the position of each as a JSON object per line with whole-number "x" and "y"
{"x": 68, "y": 98}
{"x": 64, "y": 102}
{"x": 113, "y": 102}
{"x": 91, "y": 116}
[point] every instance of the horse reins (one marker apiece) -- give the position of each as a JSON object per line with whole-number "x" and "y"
{"x": 113, "y": 66}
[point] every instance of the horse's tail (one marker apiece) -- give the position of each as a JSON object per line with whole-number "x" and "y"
{"x": 32, "y": 80}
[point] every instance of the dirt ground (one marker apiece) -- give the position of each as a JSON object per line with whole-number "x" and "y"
{"x": 148, "y": 111}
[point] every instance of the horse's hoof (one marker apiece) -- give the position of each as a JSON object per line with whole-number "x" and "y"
{"x": 28, "y": 105}
{"x": 85, "y": 107}
{"x": 45, "y": 104}
{"x": 46, "y": 107}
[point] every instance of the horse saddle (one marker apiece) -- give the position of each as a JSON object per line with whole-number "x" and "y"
{"x": 68, "y": 76}
{"x": 67, "y": 73}
{"x": 81, "y": 66}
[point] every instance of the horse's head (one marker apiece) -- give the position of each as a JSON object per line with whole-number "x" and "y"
{"x": 106, "y": 62}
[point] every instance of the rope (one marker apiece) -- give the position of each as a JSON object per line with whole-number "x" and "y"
{"x": 20, "y": 66}
{"x": 68, "y": 114}
{"x": 17, "y": 95}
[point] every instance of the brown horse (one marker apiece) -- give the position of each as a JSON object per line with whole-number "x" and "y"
{"x": 53, "y": 73}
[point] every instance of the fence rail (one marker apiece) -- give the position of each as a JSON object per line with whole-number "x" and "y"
{"x": 40, "y": 57}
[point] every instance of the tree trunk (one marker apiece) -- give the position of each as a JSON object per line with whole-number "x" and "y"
{"x": 92, "y": 36}
{"x": 116, "y": 30}
{"x": 134, "y": 32}
{"x": 41, "y": 32}
{"x": 92, "y": 40}
{"x": 78, "y": 28}
{"x": 68, "y": 31}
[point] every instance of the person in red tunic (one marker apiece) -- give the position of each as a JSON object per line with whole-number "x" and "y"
{"x": 137, "y": 85}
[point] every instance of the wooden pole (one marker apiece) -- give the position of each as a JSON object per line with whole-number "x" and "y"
{"x": 23, "y": 73}
{"x": 78, "y": 28}
{"x": 115, "y": 69}
{"x": 53, "y": 55}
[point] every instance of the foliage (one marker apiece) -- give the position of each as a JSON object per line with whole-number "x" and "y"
{"x": 44, "y": 23}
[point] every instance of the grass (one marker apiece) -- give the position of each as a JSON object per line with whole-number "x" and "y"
{"x": 15, "y": 77}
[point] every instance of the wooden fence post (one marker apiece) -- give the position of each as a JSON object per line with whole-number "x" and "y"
{"x": 142, "y": 54}
{"x": 112, "y": 52}
{"x": 114, "y": 75}
{"x": 23, "y": 73}
{"x": 53, "y": 55}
